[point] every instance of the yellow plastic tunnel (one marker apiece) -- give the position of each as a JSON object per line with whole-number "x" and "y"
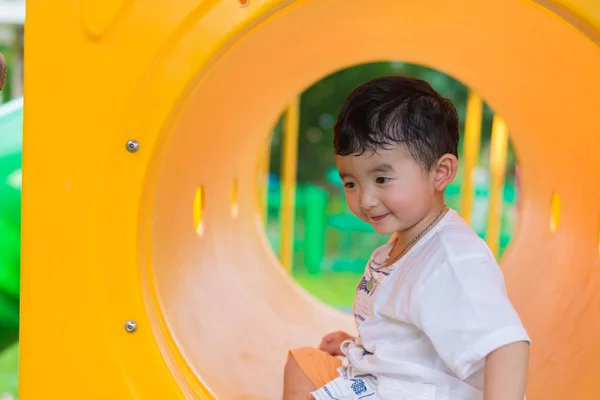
{"x": 150, "y": 232}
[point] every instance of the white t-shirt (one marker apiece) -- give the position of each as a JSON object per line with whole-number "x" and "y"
{"x": 426, "y": 329}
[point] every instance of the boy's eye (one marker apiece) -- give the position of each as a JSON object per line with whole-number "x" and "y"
{"x": 349, "y": 185}
{"x": 381, "y": 180}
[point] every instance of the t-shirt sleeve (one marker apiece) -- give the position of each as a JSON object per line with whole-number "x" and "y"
{"x": 464, "y": 310}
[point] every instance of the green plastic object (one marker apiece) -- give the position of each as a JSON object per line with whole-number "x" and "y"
{"x": 310, "y": 223}
{"x": 314, "y": 228}
{"x": 11, "y": 144}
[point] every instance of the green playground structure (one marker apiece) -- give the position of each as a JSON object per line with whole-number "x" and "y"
{"x": 11, "y": 122}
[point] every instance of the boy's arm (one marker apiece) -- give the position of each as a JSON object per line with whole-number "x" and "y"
{"x": 506, "y": 372}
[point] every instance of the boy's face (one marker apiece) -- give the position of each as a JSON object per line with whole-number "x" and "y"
{"x": 388, "y": 188}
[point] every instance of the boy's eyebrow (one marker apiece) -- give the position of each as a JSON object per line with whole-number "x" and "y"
{"x": 345, "y": 175}
{"x": 382, "y": 168}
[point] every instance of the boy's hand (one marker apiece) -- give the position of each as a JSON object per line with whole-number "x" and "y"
{"x": 332, "y": 341}
{"x": 2, "y": 71}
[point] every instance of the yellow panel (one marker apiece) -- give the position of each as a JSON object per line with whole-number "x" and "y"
{"x": 109, "y": 236}
{"x": 99, "y": 15}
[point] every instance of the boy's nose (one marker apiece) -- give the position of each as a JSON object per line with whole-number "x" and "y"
{"x": 367, "y": 201}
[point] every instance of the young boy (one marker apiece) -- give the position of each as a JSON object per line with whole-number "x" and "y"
{"x": 433, "y": 318}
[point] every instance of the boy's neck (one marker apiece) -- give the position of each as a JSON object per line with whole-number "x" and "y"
{"x": 432, "y": 217}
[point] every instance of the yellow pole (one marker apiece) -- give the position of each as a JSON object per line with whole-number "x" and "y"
{"x": 470, "y": 153}
{"x": 289, "y": 164}
{"x": 498, "y": 150}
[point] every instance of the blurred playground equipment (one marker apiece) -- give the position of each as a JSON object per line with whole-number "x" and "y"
{"x": 144, "y": 257}
{"x": 11, "y": 120}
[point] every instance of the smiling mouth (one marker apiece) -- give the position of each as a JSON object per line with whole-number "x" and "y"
{"x": 378, "y": 217}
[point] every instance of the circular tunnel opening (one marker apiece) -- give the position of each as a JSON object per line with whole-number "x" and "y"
{"x": 330, "y": 245}
{"x": 224, "y": 305}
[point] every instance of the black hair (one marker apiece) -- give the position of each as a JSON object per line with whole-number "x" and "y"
{"x": 393, "y": 110}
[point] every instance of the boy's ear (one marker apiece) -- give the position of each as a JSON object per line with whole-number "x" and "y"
{"x": 445, "y": 171}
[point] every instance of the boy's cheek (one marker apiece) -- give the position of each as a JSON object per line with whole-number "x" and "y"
{"x": 399, "y": 203}
{"x": 355, "y": 209}
{"x": 351, "y": 202}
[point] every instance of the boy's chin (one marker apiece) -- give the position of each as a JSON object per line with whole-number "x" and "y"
{"x": 385, "y": 227}
{"x": 383, "y": 230}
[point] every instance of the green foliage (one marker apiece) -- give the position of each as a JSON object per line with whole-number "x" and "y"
{"x": 9, "y": 377}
